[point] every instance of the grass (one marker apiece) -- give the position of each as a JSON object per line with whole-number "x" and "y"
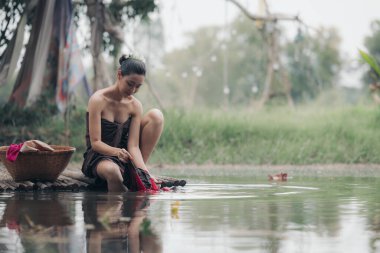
{"x": 271, "y": 136}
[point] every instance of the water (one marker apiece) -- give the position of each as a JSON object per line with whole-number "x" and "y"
{"x": 243, "y": 212}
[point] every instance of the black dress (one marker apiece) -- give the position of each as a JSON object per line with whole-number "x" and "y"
{"x": 112, "y": 133}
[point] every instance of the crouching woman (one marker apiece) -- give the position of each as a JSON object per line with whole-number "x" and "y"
{"x": 118, "y": 135}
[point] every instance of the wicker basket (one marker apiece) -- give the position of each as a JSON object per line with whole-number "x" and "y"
{"x": 40, "y": 165}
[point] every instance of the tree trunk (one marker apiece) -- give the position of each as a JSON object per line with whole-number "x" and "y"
{"x": 95, "y": 12}
{"x": 269, "y": 76}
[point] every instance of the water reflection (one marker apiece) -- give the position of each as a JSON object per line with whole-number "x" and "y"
{"x": 34, "y": 222}
{"x": 119, "y": 223}
{"x": 103, "y": 223}
{"x": 303, "y": 215}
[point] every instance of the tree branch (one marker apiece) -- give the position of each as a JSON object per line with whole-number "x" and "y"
{"x": 268, "y": 18}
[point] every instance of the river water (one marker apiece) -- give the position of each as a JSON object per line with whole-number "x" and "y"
{"x": 217, "y": 211}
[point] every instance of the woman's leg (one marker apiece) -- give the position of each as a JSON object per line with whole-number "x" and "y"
{"x": 110, "y": 172}
{"x": 152, "y": 125}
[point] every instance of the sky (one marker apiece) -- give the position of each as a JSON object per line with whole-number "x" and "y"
{"x": 351, "y": 17}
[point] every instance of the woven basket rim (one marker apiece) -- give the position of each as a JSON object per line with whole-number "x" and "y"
{"x": 57, "y": 149}
{"x": 42, "y": 165}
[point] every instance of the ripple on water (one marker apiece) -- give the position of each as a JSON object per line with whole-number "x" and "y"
{"x": 230, "y": 191}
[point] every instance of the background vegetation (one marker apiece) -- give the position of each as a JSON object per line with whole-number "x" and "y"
{"x": 208, "y": 90}
{"x": 307, "y": 135}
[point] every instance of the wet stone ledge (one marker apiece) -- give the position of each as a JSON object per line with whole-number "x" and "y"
{"x": 69, "y": 180}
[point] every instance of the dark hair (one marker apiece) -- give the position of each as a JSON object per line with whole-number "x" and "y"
{"x": 131, "y": 65}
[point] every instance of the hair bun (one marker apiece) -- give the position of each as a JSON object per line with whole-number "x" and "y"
{"x": 122, "y": 59}
{"x": 136, "y": 57}
{"x": 129, "y": 63}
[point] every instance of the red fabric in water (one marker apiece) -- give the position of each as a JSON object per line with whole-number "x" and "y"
{"x": 140, "y": 184}
{"x": 154, "y": 186}
{"x": 13, "y": 151}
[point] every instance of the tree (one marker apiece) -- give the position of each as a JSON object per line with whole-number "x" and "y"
{"x": 11, "y": 11}
{"x": 268, "y": 24}
{"x": 372, "y": 42}
{"x": 195, "y": 73}
{"x": 107, "y": 21}
{"x": 106, "y": 18}
{"x": 313, "y": 65}
{"x": 314, "y": 62}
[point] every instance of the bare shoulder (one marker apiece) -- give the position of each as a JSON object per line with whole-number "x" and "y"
{"x": 136, "y": 106}
{"x": 97, "y": 100}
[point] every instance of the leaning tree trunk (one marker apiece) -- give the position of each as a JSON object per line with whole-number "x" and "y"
{"x": 287, "y": 85}
{"x": 95, "y": 12}
{"x": 273, "y": 54}
{"x": 274, "y": 58}
{"x": 269, "y": 75}
{"x": 101, "y": 21}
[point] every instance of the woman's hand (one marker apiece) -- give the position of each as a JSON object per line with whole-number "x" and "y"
{"x": 124, "y": 155}
{"x": 154, "y": 178}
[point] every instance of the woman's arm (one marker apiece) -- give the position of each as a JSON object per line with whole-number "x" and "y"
{"x": 95, "y": 242}
{"x": 95, "y": 106}
{"x": 134, "y": 234}
{"x": 134, "y": 137}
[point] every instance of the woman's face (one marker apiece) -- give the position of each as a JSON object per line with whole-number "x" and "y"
{"x": 130, "y": 84}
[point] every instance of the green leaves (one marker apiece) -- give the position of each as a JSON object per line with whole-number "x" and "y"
{"x": 371, "y": 61}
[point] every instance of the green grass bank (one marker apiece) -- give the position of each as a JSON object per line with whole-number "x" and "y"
{"x": 271, "y": 136}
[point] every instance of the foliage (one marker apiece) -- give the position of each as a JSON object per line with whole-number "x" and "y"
{"x": 272, "y": 136}
{"x": 120, "y": 11}
{"x": 131, "y": 9}
{"x": 371, "y": 62}
{"x": 196, "y": 74}
{"x": 42, "y": 123}
{"x": 372, "y": 43}
{"x": 13, "y": 116}
{"x": 10, "y": 12}
{"x": 314, "y": 62}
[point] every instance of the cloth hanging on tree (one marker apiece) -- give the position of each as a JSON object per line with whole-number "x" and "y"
{"x": 71, "y": 72}
{"x": 52, "y": 59}
{"x": 30, "y": 76}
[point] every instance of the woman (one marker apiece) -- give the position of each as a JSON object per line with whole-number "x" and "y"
{"x": 117, "y": 131}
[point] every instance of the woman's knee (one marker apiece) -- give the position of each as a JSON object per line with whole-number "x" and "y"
{"x": 155, "y": 116}
{"x": 109, "y": 171}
